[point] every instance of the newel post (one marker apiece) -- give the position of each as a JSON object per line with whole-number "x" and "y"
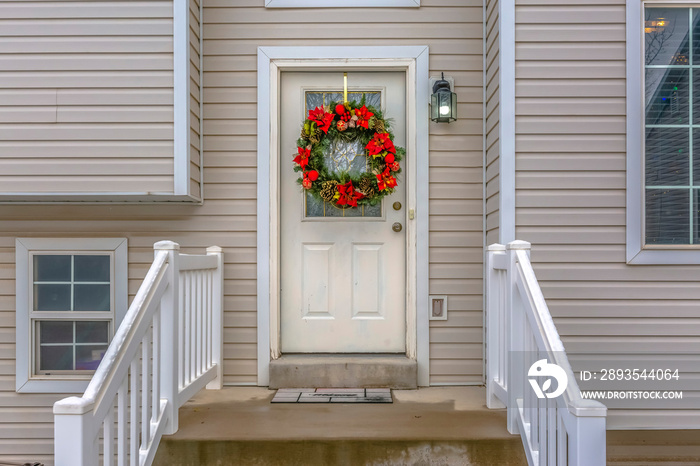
{"x": 74, "y": 432}
{"x": 494, "y": 346}
{"x": 217, "y": 323}
{"x": 169, "y": 355}
{"x": 514, "y": 334}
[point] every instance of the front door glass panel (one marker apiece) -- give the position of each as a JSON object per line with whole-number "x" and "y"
{"x": 342, "y": 157}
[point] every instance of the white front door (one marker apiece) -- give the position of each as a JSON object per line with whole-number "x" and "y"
{"x": 343, "y": 271}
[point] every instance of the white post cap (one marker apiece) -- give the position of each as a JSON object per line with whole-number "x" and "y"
{"x": 517, "y": 244}
{"x": 166, "y": 246}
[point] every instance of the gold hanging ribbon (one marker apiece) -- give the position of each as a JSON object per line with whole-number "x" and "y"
{"x": 345, "y": 87}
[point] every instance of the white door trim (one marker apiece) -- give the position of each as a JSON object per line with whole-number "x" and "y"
{"x": 271, "y": 62}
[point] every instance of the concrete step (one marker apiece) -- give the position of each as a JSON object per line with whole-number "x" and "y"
{"x": 653, "y": 447}
{"x": 431, "y": 426}
{"x": 343, "y": 370}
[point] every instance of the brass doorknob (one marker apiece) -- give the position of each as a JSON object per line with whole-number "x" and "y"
{"x": 397, "y": 227}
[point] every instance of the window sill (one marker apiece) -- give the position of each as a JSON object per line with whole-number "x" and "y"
{"x": 52, "y": 386}
{"x": 664, "y": 257}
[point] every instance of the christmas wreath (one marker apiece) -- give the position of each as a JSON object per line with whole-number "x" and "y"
{"x": 349, "y": 122}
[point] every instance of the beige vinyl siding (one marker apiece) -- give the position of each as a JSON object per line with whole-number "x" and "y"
{"x": 86, "y": 87}
{"x": 570, "y": 198}
{"x": 492, "y": 115}
{"x": 195, "y": 99}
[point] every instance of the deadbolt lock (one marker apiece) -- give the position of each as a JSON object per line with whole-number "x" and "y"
{"x": 397, "y": 205}
{"x": 397, "y": 227}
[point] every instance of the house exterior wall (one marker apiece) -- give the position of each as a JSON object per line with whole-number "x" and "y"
{"x": 232, "y": 32}
{"x": 195, "y": 97}
{"x": 86, "y": 97}
{"x": 570, "y": 198}
{"x": 492, "y": 116}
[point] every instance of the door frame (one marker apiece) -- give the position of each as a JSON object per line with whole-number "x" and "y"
{"x": 272, "y": 61}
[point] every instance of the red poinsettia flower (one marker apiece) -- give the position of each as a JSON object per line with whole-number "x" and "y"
{"x": 381, "y": 142}
{"x": 385, "y": 180}
{"x": 363, "y": 116}
{"x": 347, "y": 195}
{"x": 322, "y": 119}
{"x": 303, "y": 158}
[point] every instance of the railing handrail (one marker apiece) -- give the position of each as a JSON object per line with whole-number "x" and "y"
{"x": 112, "y": 361}
{"x": 517, "y": 320}
{"x": 150, "y": 324}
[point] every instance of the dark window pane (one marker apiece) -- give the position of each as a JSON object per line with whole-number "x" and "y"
{"x": 91, "y": 268}
{"x": 56, "y": 358}
{"x": 667, "y": 216}
{"x": 52, "y": 268}
{"x": 696, "y": 156}
{"x": 92, "y": 332}
{"x": 666, "y": 92}
{"x": 696, "y": 216}
{"x": 667, "y": 157}
{"x": 55, "y": 332}
{"x": 91, "y": 297}
{"x": 52, "y": 297}
{"x": 696, "y": 35}
{"x": 666, "y": 36}
{"x": 87, "y": 358}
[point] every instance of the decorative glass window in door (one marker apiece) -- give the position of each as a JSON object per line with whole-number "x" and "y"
{"x": 343, "y": 157}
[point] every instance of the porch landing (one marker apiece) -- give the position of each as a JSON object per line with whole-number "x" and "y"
{"x": 437, "y": 425}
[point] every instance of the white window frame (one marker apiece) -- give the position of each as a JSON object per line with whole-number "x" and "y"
{"x": 637, "y": 252}
{"x": 342, "y": 3}
{"x": 26, "y": 381}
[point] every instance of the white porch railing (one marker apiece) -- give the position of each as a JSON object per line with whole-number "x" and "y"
{"x": 566, "y": 430}
{"x": 168, "y": 347}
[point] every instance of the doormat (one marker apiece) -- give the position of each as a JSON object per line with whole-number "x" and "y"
{"x": 333, "y": 395}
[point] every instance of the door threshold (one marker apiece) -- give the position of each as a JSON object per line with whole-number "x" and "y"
{"x": 333, "y": 370}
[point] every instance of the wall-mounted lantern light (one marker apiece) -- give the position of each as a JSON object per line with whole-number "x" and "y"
{"x": 443, "y": 102}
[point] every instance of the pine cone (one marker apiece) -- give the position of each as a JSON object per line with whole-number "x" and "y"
{"x": 316, "y": 137}
{"x": 304, "y": 134}
{"x": 379, "y": 126}
{"x": 366, "y": 187}
{"x": 328, "y": 190}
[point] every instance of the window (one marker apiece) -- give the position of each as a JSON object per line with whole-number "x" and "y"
{"x": 341, "y": 3}
{"x": 71, "y": 295}
{"x": 663, "y": 133}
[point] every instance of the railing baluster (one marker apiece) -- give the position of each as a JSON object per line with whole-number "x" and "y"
{"x": 193, "y": 328}
{"x": 188, "y": 323}
{"x": 181, "y": 331}
{"x": 122, "y": 423}
{"x": 562, "y": 442}
{"x": 108, "y": 437}
{"x": 155, "y": 389}
{"x": 145, "y": 393}
{"x": 198, "y": 326}
{"x": 551, "y": 432}
{"x": 209, "y": 318}
{"x": 134, "y": 413}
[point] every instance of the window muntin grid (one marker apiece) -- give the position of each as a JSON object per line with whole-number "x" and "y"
{"x": 72, "y": 310}
{"x": 672, "y": 125}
